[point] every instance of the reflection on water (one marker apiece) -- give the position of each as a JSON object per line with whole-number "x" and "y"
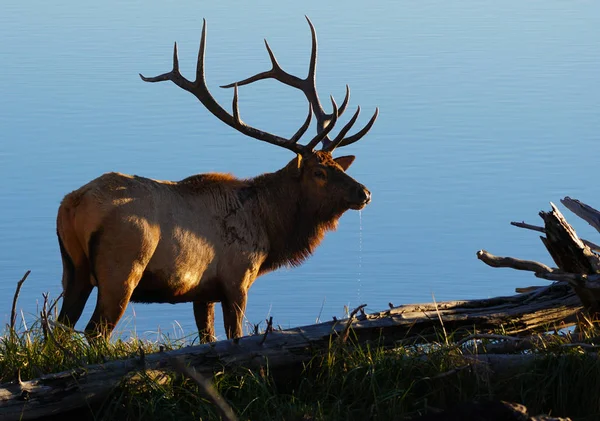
{"x": 488, "y": 112}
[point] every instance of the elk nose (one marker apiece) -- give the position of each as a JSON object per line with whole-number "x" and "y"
{"x": 364, "y": 195}
{"x": 367, "y": 194}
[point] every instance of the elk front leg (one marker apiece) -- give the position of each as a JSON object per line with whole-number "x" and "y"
{"x": 234, "y": 307}
{"x": 205, "y": 320}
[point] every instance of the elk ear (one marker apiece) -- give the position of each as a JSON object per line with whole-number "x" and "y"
{"x": 345, "y": 161}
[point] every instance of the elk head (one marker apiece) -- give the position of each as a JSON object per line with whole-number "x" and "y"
{"x": 326, "y": 188}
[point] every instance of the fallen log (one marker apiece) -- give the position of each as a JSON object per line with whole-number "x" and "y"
{"x": 407, "y": 324}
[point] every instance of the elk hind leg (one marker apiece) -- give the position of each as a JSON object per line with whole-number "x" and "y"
{"x": 118, "y": 269}
{"x": 76, "y": 283}
{"x": 114, "y": 293}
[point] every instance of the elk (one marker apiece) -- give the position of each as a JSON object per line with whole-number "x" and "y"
{"x": 205, "y": 239}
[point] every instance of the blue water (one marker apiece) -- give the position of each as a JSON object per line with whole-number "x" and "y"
{"x": 489, "y": 111}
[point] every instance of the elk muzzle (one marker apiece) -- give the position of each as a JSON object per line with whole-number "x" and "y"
{"x": 359, "y": 197}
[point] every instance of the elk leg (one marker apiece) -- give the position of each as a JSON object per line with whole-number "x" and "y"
{"x": 76, "y": 278}
{"x": 116, "y": 282}
{"x": 113, "y": 297}
{"x": 119, "y": 261}
{"x": 205, "y": 320}
{"x": 234, "y": 307}
{"x": 76, "y": 292}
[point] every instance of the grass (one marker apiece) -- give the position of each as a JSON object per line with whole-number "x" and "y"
{"x": 345, "y": 383}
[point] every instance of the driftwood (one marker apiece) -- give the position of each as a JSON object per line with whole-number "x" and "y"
{"x": 577, "y": 262}
{"x": 538, "y": 310}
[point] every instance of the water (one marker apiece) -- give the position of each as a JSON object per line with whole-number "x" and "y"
{"x": 360, "y": 241}
{"x": 489, "y": 110}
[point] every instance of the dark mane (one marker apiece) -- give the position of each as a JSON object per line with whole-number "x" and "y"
{"x": 295, "y": 247}
{"x": 200, "y": 183}
{"x": 293, "y": 227}
{"x": 203, "y": 179}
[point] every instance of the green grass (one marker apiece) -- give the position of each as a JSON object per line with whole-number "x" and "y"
{"x": 345, "y": 383}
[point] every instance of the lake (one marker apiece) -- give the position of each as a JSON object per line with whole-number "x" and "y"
{"x": 488, "y": 111}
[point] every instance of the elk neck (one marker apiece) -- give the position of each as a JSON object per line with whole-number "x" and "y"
{"x": 293, "y": 227}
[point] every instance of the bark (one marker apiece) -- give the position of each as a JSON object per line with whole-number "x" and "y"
{"x": 61, "y": 392}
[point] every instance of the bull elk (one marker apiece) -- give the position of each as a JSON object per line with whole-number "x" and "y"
{"x": 206, "y": 238}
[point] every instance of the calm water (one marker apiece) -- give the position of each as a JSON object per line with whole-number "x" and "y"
{"x": 489, "y": 110}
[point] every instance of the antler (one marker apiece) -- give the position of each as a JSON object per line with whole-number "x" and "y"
{"x": 309, "y": 88}
{"x": 326, "y": 122}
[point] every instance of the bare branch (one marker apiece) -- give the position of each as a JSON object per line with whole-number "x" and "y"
{"x": 528, "y": 226}
{"x": 591, "y": 245}
{"x": 510, "y": 262}
{"x": 268, "y": 329}
{"x": 13, "y": 312}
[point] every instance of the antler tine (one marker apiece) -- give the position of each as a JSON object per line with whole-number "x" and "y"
{"x": 312, "y": 67}
{"x": 296, "y": 137}
{"x": 357, "y": 136}
{"x": 330, "y": 146}
{"x": 234, "y": 106}
{"x": 323, "y": 133}
{"x": 311, "y": 81}
{"x": 345, "y": 102}
{"x": 173, "y": 75}
{"x": 276, "y": 72}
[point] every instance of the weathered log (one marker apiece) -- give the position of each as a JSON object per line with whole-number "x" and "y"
{"x": 57, "y": 393}
{"x": 572, "y": 255}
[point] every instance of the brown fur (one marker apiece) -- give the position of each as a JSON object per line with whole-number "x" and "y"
{"x": 203, "y": 239}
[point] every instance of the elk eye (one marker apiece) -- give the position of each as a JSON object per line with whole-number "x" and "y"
{"x": 320, "y": 174}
